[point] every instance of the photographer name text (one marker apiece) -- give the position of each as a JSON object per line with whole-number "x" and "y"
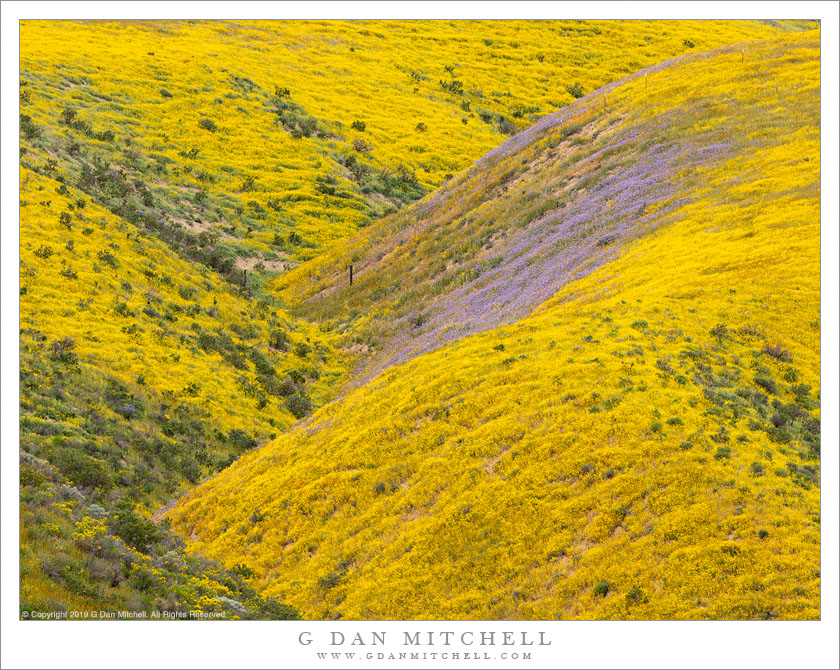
{"x": 429, "y": 638}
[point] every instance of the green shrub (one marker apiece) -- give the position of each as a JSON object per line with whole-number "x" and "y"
{"x": 136, "y": 531}
{"x": 302, "y": 349}
{"x": 800, "y": 390}
{"x": 44, "y": 252}
{"x": 107, "y": 257}
{"x": 456, "y": 86}
{"x": 723, "y": 452}
{"x": 274, "y": 610}
{"x": 207, "y": 124}
{"x": 601, "y": 589}
{"x": 575, "y": 90}
{"x": 81, "y": 469}
{"x": 719, "y": 331}
{"x": 241, "y": 439}
{"x": 636, "y": 595}
{"x": 329, "y": 581}
{"x": 62, "y": 351}
{"x": 31, "y": 477}
{"x": 28, "y": 128}
{"x": 299, "y": 405}
{"x": 721, "y": 436}
{"x": 261, "y": 364}
{"x": 278, "y": 340}
{"x": 358, "y": 125}
{"x": 242, "y": 570}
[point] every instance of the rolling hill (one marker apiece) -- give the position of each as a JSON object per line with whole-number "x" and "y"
{"x": 590, "y": 386}
{"x": 573, "y": 288}
{"x": 263, "y": 143}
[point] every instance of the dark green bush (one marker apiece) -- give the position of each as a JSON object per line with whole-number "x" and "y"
{"x": 601, "y": 589}
{"x": 719, "y": 331}
{"x": 278, "y": 339}
{"x": 28, "y": 128}
{"x": 575, "y": 90}
{"x": 107, "y": 257}
{"x": 636, "y": 595}
{"x": 329, "y": 581}
{"x": 417, "y": 320}
{"x": 274, "y": 610}
{"x": 302, "y": 349}
{"x": 723, "y": 452}
{"x": 299, "y": 405}
{"x": 241, "y": 439}
{"x": 767, "y": 384}
{"x": 81, "y": 469}
{"x": 62, "y": 351}
{"x": 456, "y": 86}
{"x": 207, "y": 124}
{"x": 44, "y": 252}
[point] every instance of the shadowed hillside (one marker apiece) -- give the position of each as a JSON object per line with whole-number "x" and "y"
{"x": 603, "y": 399}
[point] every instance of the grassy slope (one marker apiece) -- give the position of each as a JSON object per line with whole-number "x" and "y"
{"x": 545, "y": 208}
{"x": 643, "y": 445}
{"x": 140, "y": 376}
{"x": 279, "y": 157}
{"x": 167, "y": 375}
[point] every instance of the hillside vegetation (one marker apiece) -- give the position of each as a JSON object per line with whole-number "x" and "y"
{"x": 255, "y": 145}
{"x": 627, "y": 423}
{"x": 191, "y": 194}
{"x": 140, "y": 375}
